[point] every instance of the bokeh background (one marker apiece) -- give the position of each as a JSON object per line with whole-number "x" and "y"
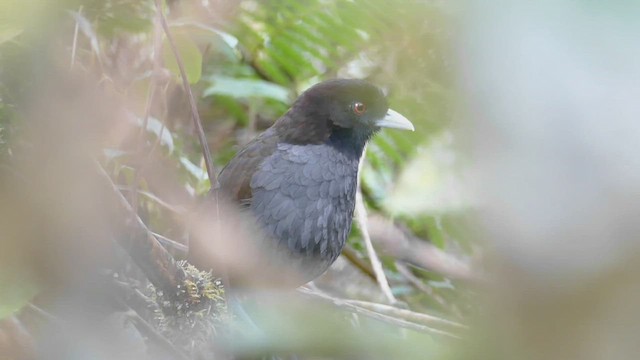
{"x": 505, "y": 224}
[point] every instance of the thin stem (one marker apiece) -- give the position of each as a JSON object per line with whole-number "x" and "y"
{"x": 75, "y": 41}
{"x": 349, "y": 306}
{"x": 420, "y": 318}
{"x": 350, "y": 254}
{"x": 361, "y": 218}
{"x": 208, "y": 160}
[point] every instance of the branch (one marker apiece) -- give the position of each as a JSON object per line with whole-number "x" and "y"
{"x": 351, "y": 254}
{"x": 170, "y": 242}
{"x": 192, "y": 102}
{"x": 420, "y": 318}
{"x": 74, "y": 46}
{"x": 347, "y": 305}
{"x": 405, "y": 247}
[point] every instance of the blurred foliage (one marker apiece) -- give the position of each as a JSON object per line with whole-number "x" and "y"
{"x": 247, "y": 61}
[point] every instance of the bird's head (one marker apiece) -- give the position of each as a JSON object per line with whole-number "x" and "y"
{"x": 352, "y": 110}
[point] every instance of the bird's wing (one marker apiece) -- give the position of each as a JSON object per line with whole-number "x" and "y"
{"x": 235, "y": 178}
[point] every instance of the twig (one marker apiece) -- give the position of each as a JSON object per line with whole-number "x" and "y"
{"x": 41, "y": 313}
{"x": 351, "y": 255}
{"x": 83, "y": 25}
{"x": 347, "y": 305}
{"x": 75, "y": 41}
{"x": 420, "y": 318}
{"x": 156, "y": 199}
{"x": 174, "y": 244}
{"x": 361, "y": 218}
{"x": 194, "y": 108}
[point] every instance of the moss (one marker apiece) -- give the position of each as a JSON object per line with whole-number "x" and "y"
{"x": 197, "y": 314}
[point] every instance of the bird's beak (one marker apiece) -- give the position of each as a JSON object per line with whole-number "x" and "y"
{"x": 395, "y": 120}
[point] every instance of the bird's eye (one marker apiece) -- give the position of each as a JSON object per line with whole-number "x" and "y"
{"x": 359, "y": 108}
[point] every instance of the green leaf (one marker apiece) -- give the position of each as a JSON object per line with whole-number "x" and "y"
{"x": 189, "y": 53}
{"x": 246, "y": 88}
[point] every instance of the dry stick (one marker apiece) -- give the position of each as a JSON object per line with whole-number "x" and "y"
{"x": 157, "y": 48}
{"x": 403, "y": 323}
{"x": 345, "y": 304}
{"x": 351, "y": 255}
{"x": 172, "y": 243}
{"x": 420, "y": 318}
{"x": 361, "y": 217}
{"x": 147, "y": 252}
{"x": 194, "y": 109}
{"x": 155, "y": 198}
{"x": 75, "y": 42}
{"x": 41, "y": 313}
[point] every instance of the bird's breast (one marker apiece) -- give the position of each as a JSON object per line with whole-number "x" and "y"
{"x": 304, "y": 198}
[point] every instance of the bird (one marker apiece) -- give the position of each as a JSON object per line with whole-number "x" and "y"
{"x": 298, "y": 179}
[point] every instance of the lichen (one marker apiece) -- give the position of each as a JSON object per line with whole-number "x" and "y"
{"x": 196, "y": 314}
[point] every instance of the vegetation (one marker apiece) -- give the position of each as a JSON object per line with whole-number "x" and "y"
{"x": 101, "y": 164}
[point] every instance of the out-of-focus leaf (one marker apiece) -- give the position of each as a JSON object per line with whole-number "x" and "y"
{"x": 385, "y": 143}
{"x": 189, "y": 54}
{"x": 271, "y": 69}
{"x": 246, "y": 88}
{"x": 436, "y": 233}
{"x": 228, "y": 39}
{"x": 196, "y": 171}
{"x": 87, "y": 29}
{"x": 430, "y": 183}
{"x": 156, "y": 127}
